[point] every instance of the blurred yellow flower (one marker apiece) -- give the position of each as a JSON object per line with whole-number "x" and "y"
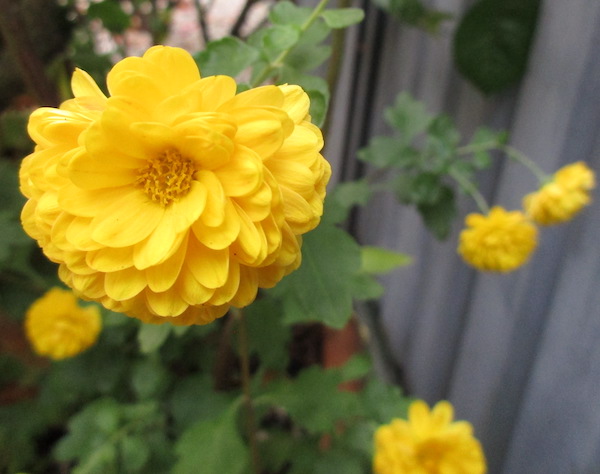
{"x": 563, "y": 197}
{"x": 500, "y": 241}
{"x": 429, "y": 442}
{"x": 175, "y": 197}
{"x": 57, "y": 327}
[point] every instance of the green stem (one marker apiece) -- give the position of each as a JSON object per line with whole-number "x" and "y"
{"x": 472, "y": 191}
{"x": 519, "y": 157}
{"x": 271, "y": 67}
{"x": 486, "y": 146}
{"x": 250, "y": 417}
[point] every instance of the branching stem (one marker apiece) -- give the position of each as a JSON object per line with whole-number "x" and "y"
{"x": 472, "y": 191}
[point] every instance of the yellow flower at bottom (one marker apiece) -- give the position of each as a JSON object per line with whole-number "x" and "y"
{"x": 500, "y": 241}
{"x": 563, "y": 197}
{"x": 429, "y": 442}
{"x": 58, "y": 327}
{"x": 176, "y": 197}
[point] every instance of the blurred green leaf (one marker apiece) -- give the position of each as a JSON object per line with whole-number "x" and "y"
{"x": 343, "y": 17}
{"x": 384, "y": 151}
{"x": 214, "y": 446}
{"x": 277, "y": 38}
{"x": 149, "y": 378}
{"x": 408, "y": 116}
{"x": 343, "y": 198}
{"x": 492, "y": 42}
{"x": 13, "y": 132}
{"x": 229, "y": 56}
{"x": 268, "y": 336}
{"x": 285, "y": 13}
{"x": 134, "y": 453}
{"x": 379, "y": 260}
{"x": 383, "y": 401}
{"x": 366, "y": 287}
{"x": 439, "y": 215}
{"x": 321, "y": 289}
{"x": 111, "y": 14}
{"x": 152, "y": 336}
{"x": 415, "y": 13}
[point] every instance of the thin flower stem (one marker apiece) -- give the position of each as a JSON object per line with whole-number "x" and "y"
{"x": 249, "y": 406}
{"x": 472, "y": 191}
{"x": 271, "y": 67}
{"x": 519, "y": 157}
{"x": 486, "y": 146}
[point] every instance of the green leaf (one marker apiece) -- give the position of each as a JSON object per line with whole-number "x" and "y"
{"x": 492, "y": 42}
{"x": 278, "y": 38}
{"x": 383, "y": 401}
{"x": 134, "y": 453}
{"x": 422, "y": 189}
{"x": 439, "y": 215}
{"x": 286, "y": 13}
{"x": 379, "y": 260}
{"x": 112, "y": 15}
{"x": 321, "y": 289}
{"x": 152, "y": 336}
{"x": 343, "y": 17}
{"x": 229, "y": 56}
{"x": 268, "y": 336}
{"x": 343, "y": 198}
{"x": 148, "y": 378}
{"x": 13, "y": 131}
{"x": 214, "y": 446}
{"x": 313, "y": 399}
{"x": 383, "y": 151}
{"x": 408, "y": 116}
{"x": 366, "y": 287}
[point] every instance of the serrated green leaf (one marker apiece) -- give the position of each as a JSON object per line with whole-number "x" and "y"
{"x": 343, "y": 17}
{"x": 313, "y": 399}
{"x": 492, "y": 42}
{"x": 382, "y": 151}
{"x": 438, "y": 216}
{"x": 229, "y": 56}
{"x": 408, "y": 116}
{"x": 152, "y": 336}
{"x": 383, "y": 401}
{"x": 321, "y": 289}
{"x": 111, "y": 14}
{"x": 214, "y": 445}
{"x": 378, "y": 260}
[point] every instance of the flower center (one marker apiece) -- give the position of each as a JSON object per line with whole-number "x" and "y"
{"x": 430, "y": 454}
{"x": 167, "y": 177}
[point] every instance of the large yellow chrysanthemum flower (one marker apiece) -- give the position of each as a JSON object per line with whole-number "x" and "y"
{"x": 428, "y": 443}
{"x": 58, "y": 327}
{"x": 500, "y": 241}
{"x": 563, "y": 197}
{"x": 175, "y": 197}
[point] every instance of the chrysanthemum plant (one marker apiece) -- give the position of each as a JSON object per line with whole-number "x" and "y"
{"x": 193, "y": 203}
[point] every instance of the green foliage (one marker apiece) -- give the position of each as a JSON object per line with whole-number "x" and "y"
{"x": 111, "y": 14}
{"x": 330, "y": 259}
{"x": 492, "y": 42}
{"x": 229, "y": 56}
{"x": 343, "y": 17}
{"x": 415, "y": 13}
{"x": 423, "y": 163}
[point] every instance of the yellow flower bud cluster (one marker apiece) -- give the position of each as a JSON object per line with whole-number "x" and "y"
{"x": 502, "y": 241}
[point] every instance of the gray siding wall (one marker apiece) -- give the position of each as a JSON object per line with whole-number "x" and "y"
{"x": 518, "y": 354}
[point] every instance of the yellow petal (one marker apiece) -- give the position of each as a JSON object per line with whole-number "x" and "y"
{"x": 221, "y": 236}
{"x": 262, "y": 129}
{"x": 163, "y": 276}
{"x": 225, "y": 293}
{"x": 209, "y": 267}
{"x": 92, "y": 285}
{"x": 209, "y": 151}
{"x": 257, "y": 97}
{"x": 158, "y": 246}
{"x": 89, "y": 172}
{"x": 298, "y": 212}
{"x": 83, "y": 85}
{"x": 108, "y": 259}
{"x": 214, "y": 211}
{"x": 176, "y": 64}
{"x": 251, "y": 244}
{"x": 242, "y": 175}
{"x": 216, "y": 90}
{"x": 124, "y": 284}
{"x": 257, "y": 205}
{"x": 248, "y": 288}
{"x": 296, "y": 102}
{"x": 294, "y": 176}
{"x": 167, "y": 304}
{"x": 126, "y": 221}
{"x": 84, "y": 202}
{"x": 186, "y": 210}
{"x": 190, "y": 289}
